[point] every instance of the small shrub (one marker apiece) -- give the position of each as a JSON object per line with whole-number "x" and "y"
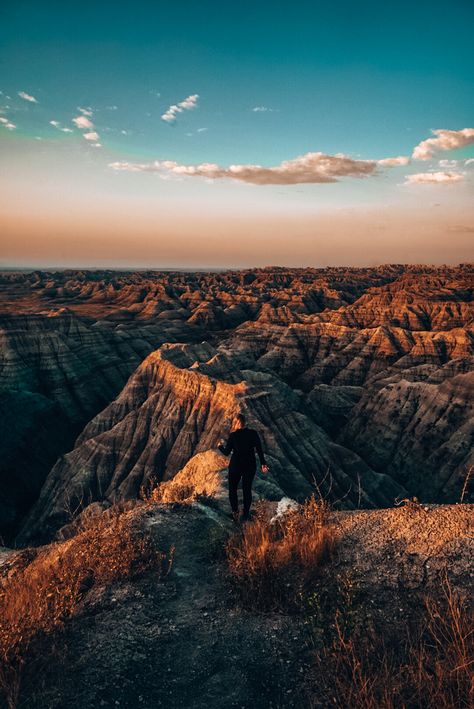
{"x": 274, "y": 564}
{"x": 432, "y": 668}
{"x": 173, "y": 491}
{"x": 41, "y": 588}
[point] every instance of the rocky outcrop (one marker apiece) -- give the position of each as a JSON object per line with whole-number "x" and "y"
{"x": 57, "y": 370}
{"x": 180, "y": 402}
{"x": 319, "y": 358}
{"x": 419, "y": 429}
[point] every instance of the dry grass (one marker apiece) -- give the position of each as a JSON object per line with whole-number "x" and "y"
{"x": 275, "y": 564}
{"x": 430, "y": 669}
{"x": 173, "y": 491}
{"x": 40, "y": 589}
{"x": 200, "y": 478}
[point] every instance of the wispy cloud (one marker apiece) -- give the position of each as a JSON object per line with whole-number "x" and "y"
{"x": 82, "y": 122}
{"x": 393, "y": 162}
{"x": 262, "y": 109}
{"x": 27, "y": 97}
{"x": 58, "y": 125}
{"x": 309, "y": 168}
{"x": 450, "y": 164}
{"x": 93, "y": 136}
{"x": 444, "y": 140}
{"x": 434, "y": 178}
{"x": 8, "y": 124}
{"x": 85, "y": 111}
{"x": 188, "y": 104}
{"x": 199, "y": 130}
{"x": 461, "y": 229}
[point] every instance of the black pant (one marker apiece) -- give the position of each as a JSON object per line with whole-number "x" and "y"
{"x": 234, "y": 479}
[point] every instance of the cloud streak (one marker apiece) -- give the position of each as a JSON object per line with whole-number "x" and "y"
{"x": 8, "y": 124}
{"x": 57, "y": 124}
{"x": 393, "y": 162}
{"x": 27, "y": 97}
{"x": 312, "y": 168}
{"x": 444, "y": 140}
{"x": 434, "y": 178}
{"x": 188, "y": 104}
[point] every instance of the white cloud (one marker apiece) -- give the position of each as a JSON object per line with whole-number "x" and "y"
{"x": 85, "y": 111}
{"x": 189, "y": 103}
{"x": 434, "y": 178}
{"x": 445, "y": 140}
{"x": 449, "y": 164}
{"x": 57, "y": 125}
{"x": 93, "y": 136}
{"x": 27, "y": 97}
{"x": 393, "y": 162}
{"x": 201, "y": 130}
{"x": 8, "y": 124}
{"x": 262, "y": 109}
{"x": 82, "y": 122}
{"x": 309, "y": 168}
{"x": 111, "y": 108}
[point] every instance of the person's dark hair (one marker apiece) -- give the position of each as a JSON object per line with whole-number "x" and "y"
{"x": 241, "y": 419}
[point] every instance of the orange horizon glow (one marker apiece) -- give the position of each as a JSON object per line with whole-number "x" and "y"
{"x": 350, "y": 237}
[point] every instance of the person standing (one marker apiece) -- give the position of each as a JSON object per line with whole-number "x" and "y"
{"x": 242, "y": 443}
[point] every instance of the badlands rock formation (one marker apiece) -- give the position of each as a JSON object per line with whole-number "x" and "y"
{"x": 360, "y": 381}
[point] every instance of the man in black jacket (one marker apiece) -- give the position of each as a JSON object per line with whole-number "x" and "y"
{"x": 242, "y": 443}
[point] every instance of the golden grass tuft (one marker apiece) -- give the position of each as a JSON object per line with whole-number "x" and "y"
{"x": 173, "y": 491}
{"x": 40, "y": 589}
{"x": 275, "y": 563}
{"x": 200, "y": 478}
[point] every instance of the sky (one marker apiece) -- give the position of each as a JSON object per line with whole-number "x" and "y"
{"x": 211, "y": 134}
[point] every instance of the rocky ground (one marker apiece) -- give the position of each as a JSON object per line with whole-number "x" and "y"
{"x": 186, "y": 641}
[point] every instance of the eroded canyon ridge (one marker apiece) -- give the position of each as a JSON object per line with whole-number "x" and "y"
{"x": 360, "y": 381}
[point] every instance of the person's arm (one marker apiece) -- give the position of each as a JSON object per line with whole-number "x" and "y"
{"x": 227, "y": 449}
{"x": 258, "y": 446}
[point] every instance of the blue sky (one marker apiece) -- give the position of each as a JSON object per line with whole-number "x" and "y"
{"x": 367, "y": 80}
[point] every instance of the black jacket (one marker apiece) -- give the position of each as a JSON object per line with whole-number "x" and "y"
{"x": 243, "y": 443}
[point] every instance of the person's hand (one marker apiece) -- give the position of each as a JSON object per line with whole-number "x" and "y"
{"x": 265, "y": 469}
